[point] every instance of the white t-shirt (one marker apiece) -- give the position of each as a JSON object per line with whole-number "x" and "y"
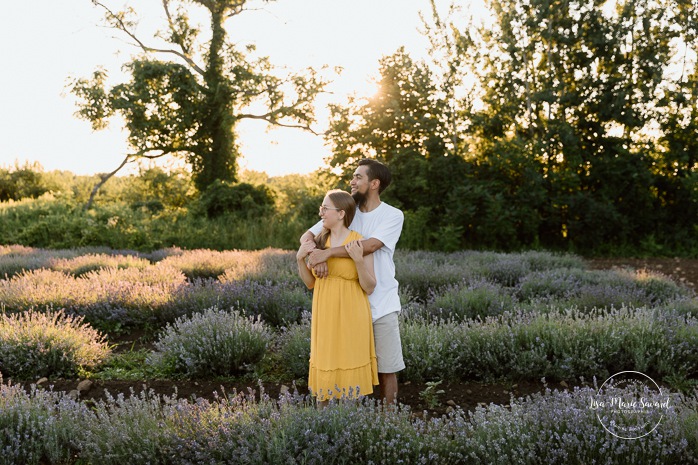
{"x": 385, "y": 224}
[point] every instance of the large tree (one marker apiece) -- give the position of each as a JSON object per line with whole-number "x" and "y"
{"x": 189, "y": 105}
{"x": 575, "y": 84}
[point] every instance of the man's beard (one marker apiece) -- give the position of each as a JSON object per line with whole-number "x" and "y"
{"x": 359, "y": 198}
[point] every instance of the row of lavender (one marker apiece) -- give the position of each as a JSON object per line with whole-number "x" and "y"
{"x": 43, "y": 427}
{"x": 468, "y": 315}
{"x": 126, "y": 288}
{"x": 567, "y": 345}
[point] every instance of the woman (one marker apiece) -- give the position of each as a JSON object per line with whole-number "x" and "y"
{"x": 342, "y": 351}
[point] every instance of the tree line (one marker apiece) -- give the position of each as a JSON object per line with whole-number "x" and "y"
{"x": 563, "y": 124}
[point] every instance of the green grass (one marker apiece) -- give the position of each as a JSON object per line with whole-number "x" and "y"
{"x": 127, "y": 366}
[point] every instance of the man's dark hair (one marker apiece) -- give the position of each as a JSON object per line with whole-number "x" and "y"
{"x": 377, "y": 170}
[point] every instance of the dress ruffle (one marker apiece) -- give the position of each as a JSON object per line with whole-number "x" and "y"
{"x": 348, "y": 383}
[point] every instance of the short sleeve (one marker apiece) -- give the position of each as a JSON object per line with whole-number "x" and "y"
{"x": 316, "y": 228}
{"x": 388, "y": 230}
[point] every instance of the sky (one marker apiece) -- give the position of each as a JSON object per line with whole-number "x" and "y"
{"x": 46, "y": 42}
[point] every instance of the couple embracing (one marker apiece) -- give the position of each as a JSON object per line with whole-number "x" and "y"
{"x": 347, "y": 259}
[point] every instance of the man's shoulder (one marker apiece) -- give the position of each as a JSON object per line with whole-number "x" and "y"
{"x": 388, "y": 209}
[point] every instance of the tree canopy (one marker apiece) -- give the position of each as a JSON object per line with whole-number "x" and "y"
{"x": 188, "y": 90}
{"x": 576, "y": 132}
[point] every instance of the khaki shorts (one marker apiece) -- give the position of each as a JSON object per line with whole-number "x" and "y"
{"x": 386, "y": 332}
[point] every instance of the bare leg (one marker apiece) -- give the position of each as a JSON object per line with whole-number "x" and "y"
{"x": 388, "y": 387}
{"x": 321, "y": 404}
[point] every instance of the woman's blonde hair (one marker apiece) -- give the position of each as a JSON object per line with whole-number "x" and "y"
{"x": 344, "y": 202}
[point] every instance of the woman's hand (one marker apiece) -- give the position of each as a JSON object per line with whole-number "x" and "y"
{"x": 355, "y": 249}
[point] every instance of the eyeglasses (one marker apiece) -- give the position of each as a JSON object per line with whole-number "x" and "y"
{"x": 323, "y": 209}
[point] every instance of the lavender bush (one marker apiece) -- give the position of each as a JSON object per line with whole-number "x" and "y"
{"x": 466, "y": 315}
{"x": 596, "y": 289}
{"x": 274, "y": 265}
{"x": 212, "y": 343}
{"x": 560, "y": 427}
{"x": 170, "y": 278}
{"x": 549, "y": 427}
{"x": 277, "y": 303}
{"x": 16, "y": 258}
{"x": 34, "y": 344}
{"x": 43, "y": 288}
{"x": 424, "y": 272}
{"x": 554, "y": 284}
{"x": 117, "y": 296}
{"x": 37, "y": 426}
{"x": 470, "y": 300}
{"x": 432, "y": 350}
{"x": 461, "y": 284}
{"x": 683, "y": 305}
{"x": 293, "y": 343}
{"x": 83, "y": 264}
{"x": 554, "y": 427}
{"x": 231, "y": 265}
{"x": 159, "y": 255}
{"x": 560, "y": 344}
{"x": 131, "y": 430}
{"x": 204, "y": 264}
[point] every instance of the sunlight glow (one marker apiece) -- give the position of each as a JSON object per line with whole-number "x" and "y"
{"x": 63, "y": 42}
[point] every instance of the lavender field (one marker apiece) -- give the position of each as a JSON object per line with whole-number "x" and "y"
{"x": 202, "y": 314}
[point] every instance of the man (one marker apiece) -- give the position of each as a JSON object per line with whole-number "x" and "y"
{"x": 380, "y": 224}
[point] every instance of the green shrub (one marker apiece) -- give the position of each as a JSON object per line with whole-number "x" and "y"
{"x": 212, "y": 343}
{"x": 27, "y": 181}
{"x": 294, "y": 348}
{"x": 34, "y": 344}
{"x": 241, "y": 199}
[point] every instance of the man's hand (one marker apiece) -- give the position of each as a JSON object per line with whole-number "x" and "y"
{"x": 318, "y": 256}
{"x": 317, "y": 260}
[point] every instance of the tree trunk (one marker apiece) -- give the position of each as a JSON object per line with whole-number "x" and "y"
{"x": 217, "y": 157}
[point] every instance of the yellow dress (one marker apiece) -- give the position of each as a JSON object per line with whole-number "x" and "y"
{"x": 342, "y": 350}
